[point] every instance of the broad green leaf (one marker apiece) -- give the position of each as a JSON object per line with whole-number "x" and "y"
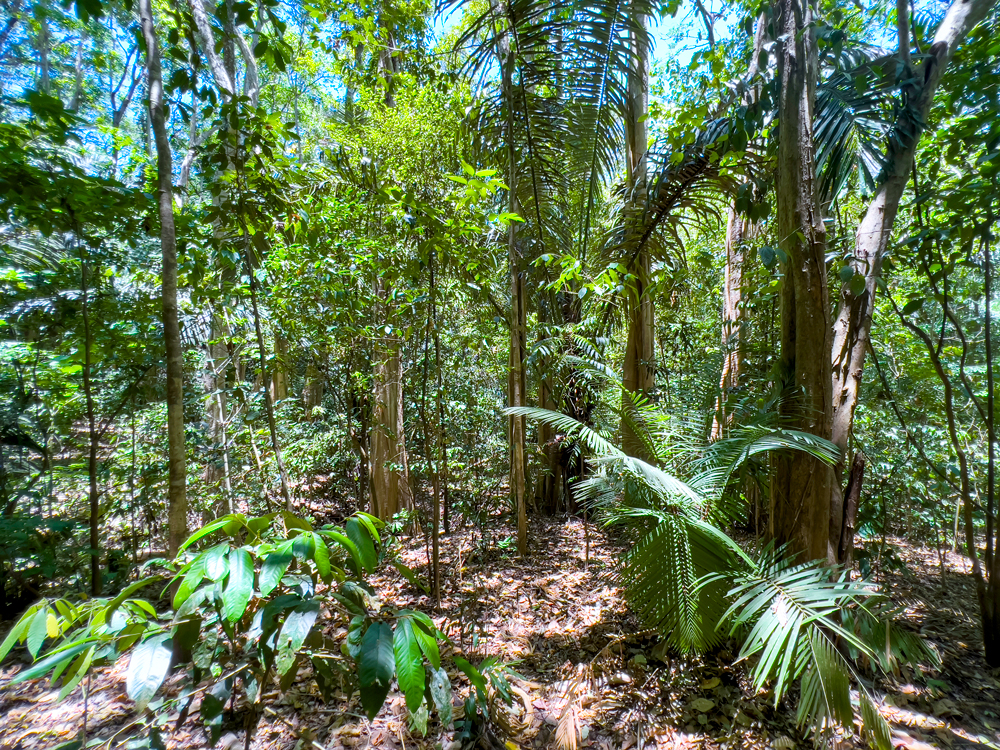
{"x": 192, "y": 578}
{"x": 215, "y": 562}
{"x": 426, "y": 635}
{"x": 410, "y": 576}
{"x": 52, "y": 660}
{"x": 17, "y": 632}
{"x": 409, "y": 663}
{"x": 239, "y": 586}
{"x": 441, "y": 694}
{"x": 346, "y": 543}
{"x": 272, "y": 570}
{"x": 297, "y": 626}
{"x": 147, "y": 668}
{"x": 376, "y": 667}
{"x": 321, "y": 554}
{"x": 38, "y": 632}
{"x": 358, "y": 534}
{"x": 77, "y": 672}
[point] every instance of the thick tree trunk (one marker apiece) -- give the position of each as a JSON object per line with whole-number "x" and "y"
{"x": 802, "y": 485}
{"x": 638, "y": 369}
{"x": 733, "y": 316}
{"x": 177, "y": 494}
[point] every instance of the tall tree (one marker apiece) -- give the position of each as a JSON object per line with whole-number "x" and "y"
{"x": 802, "y": 484}
{"x": 177, "y": 495}
{"x": 638, "y": 369}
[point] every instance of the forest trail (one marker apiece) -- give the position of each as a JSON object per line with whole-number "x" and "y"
{"x": 586, "y": 677}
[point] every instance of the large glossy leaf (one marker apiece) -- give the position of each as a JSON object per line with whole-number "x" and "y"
{"x": 147, "y": 668}
{"x": 358, "y": 534}
{"x": 274, "y": 567}
{"x": 297, "y": 626}
{"x": 376, "y": 666}
{"x": 239, "y": 586}
{"x": 409, "y": 663}
{"x": 441, "y": 694}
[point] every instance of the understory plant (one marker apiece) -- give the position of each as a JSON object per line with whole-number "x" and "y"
{"x": 799, "y": 622}
{"x": 255, "y": 604}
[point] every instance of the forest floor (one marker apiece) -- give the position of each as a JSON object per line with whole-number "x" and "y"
{"x": 585, "y": 677}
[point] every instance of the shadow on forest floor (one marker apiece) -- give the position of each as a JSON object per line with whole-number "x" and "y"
{"x": 587, "y": 676}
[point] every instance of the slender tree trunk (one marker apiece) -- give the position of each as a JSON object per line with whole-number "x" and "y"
{"x": 215, "y": 410}
{"x": 852, "y": 501}
{"x": 390, "y": 480}
{"x": 733, "y": 317}
{"x": 279, "y": 377}
{"x": 516, "y": 382}
{"x": 312, "y": 391}
{"x": 638, "y": 369}
{"x": 801, "y": 486}
{"x": 94, "y": 495}
{"x": 991, "y": 604}
{"x": 177, "y": 494}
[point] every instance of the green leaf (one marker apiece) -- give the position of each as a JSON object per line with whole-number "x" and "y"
{"x": 347, "y": 544}
{"x": 272, "y": 571}
{"x": 410, "y": 576}
{"x": 858, "y": 285}
{"x": 441, "y": 694}
{"x": 363, "y": 541}
{"x": 192, "y": 578}
{"x": 214, "y": 526}
{"x": 239, "y": 586}
{"x": 147, "y": 668}
{"x": 474, "y": 675}
{"x": 297, "y": 626}
{"x": 426, "y": 635}
{"x": 52, "y": 660}
{"x": 912, "y": 306}
{"x": 846, "y": 273}
{"x": 409, "y": 663}
{"x": 376, "y": 667}
{"x": 38, "y": 632}
{"x": 321, "y": 555}
{"x": 17, "y": 632}
{"x": 115, "y": 603}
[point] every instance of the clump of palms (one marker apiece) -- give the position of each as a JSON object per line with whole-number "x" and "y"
{"x": 798, "y": 622}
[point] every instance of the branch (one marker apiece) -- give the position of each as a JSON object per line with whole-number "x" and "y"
{"x": 203, "y": 30}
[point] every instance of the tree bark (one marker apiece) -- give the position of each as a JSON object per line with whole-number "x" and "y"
{"x": 852, "y": 501}
{"x": 733, "y": 317}
{"x": 312, "y": 391}
{"x": 801, "y": 486}
{"x": 93, "y": 439}
{"x": 177, "y": 494}
{"x": 638, "y": 369}
{"x": 516, "y": 382}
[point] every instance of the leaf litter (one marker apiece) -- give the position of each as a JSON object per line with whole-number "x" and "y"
{"x": 587, "y": 676}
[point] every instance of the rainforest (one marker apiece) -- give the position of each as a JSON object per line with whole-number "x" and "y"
{"x": 499, "y": 374}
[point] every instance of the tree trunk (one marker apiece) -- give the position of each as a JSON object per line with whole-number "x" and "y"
{"x": 177, "y": 494}
{"x": 853, "y": 321}
{"x": 801, "y": 486}
{"x": 312, "y": 391}
{"x": 216, "y": 474}
{"x": 279, "y": 376}
{"x": 733, "y": 317}
{"x": 638, "y": 369}
{"x": 93, "y": 439}
{"x": 516, "y": 383}
{"x": 390, "y": 480}
{"x": 852, "y": 501}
